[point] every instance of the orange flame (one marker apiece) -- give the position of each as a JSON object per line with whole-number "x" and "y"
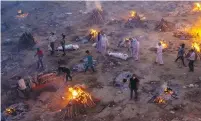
{"x": 164, "y": 44}
{"x": 9, "y": 110}
{"x": 78, "y": 94}
{"x": 21, "y": 14}
{"x": 196, "y": 46}
{"x": 133, "y": 13}
{"x": 197, "y": 7}
{"x": 93, "y": 32}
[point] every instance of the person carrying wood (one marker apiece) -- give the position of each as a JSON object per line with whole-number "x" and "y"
{"x": 52, "y": 40}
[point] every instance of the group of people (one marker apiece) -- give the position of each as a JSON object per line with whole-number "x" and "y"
{"x": 191, "y": 56}
{"x": 101, "y": 45}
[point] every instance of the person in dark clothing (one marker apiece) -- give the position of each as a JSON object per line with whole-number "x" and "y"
{"x": 191, "y": 59}
{"x": 89, "y": 62}
{"x": 133, "y": 85}
{"x": 39, "y": 53}
{"x": 181, "y": 54}
{"x": 63, "y": 43}
{"x": 65, "y": 70}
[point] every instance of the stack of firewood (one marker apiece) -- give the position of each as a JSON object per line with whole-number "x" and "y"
{"x": 133, "y": 22}
{"x": 26, "y": 41}
{"x": 164, "y": 26}
{"x": 96, "y": 17}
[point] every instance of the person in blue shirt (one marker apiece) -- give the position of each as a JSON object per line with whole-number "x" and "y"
{"x": 89, "y": 63}
{"x": 181, "y": 54}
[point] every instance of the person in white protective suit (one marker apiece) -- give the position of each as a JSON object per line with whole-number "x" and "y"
{"x": 159, "y": 54}
{"x": 104, "y": 44}
{"x": 135, "y": 49}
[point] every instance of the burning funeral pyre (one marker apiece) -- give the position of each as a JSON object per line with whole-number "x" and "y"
{"x": 164, "y": 44}
{"x": 134, "y": 20}
{"x": 21, "y": 14}
{"x": 192, "y": 33}
{"x": 197, "y": 7}
{"x": 15, "y": 111}
{"x": 78, "y": 100}
{"x": 93, "y": 34}
{"x": 164, "y": 97}
{"x": 164, "y": 26}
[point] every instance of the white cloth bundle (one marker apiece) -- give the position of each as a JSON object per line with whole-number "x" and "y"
{"x": 69, "y": 47}
{"x": 118, "y": 55}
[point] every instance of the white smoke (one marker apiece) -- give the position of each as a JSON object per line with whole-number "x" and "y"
{"x": 91, "y": 5}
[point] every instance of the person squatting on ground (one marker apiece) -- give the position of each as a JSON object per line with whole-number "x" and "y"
{"x": 65, "y": 70}
{"x": 52, "y": 40}
{"x": 135, "y": 45}
{"x": 133, "y": 85}
{"x": 22, "y": 86}
{"x": 159, "y": 54}
{"x": 191, "y": 60}
{"x": 89, "y": 63}
{"x": 181, "y": 54}
{"x": 39, "y": 53}
{"x": 63, "y": 43}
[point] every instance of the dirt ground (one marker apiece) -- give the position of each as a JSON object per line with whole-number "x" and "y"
{"x": 45, "y": 17}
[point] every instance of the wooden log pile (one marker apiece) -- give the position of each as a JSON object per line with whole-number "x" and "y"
{"x": 164, "y": 26}
{"x": 96, "y": 17}
{"x": 182, "y": 35}
{"x": 133, "y": 22}
{"x": 26, "y": 41}
{"x": 77, "y": 104}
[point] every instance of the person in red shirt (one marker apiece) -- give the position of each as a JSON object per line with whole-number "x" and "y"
{"x": 39, "y": 53}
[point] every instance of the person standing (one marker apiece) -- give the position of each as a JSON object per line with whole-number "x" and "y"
{"x": 137, "y": 50}
{"x": 63, "y": 43}
{"x": 89, "y": 63}
{"x": 52, "y": 40}
{"x": 191, "y": 60}
{"x": 99, "y": 39}
{"x": 39, "y": 53}
{"x": 104, "y": 44}
{"x": 22, "y": 86}
{"x": 159, "y": 54}
{"x": 133, "y": 85}
{"x": 181, "y": 54}
{"x": 133, "y": 47}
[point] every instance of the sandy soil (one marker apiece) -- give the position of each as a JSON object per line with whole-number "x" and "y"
{"x": 45, "y": 17}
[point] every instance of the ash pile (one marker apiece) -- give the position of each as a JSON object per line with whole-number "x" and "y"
{"x": 96, "y": 17}
{"x": 164, "y": 26}
{"x": 26, "y": 41}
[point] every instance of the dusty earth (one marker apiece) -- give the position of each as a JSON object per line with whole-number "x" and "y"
{"x": 58, "y": 17}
